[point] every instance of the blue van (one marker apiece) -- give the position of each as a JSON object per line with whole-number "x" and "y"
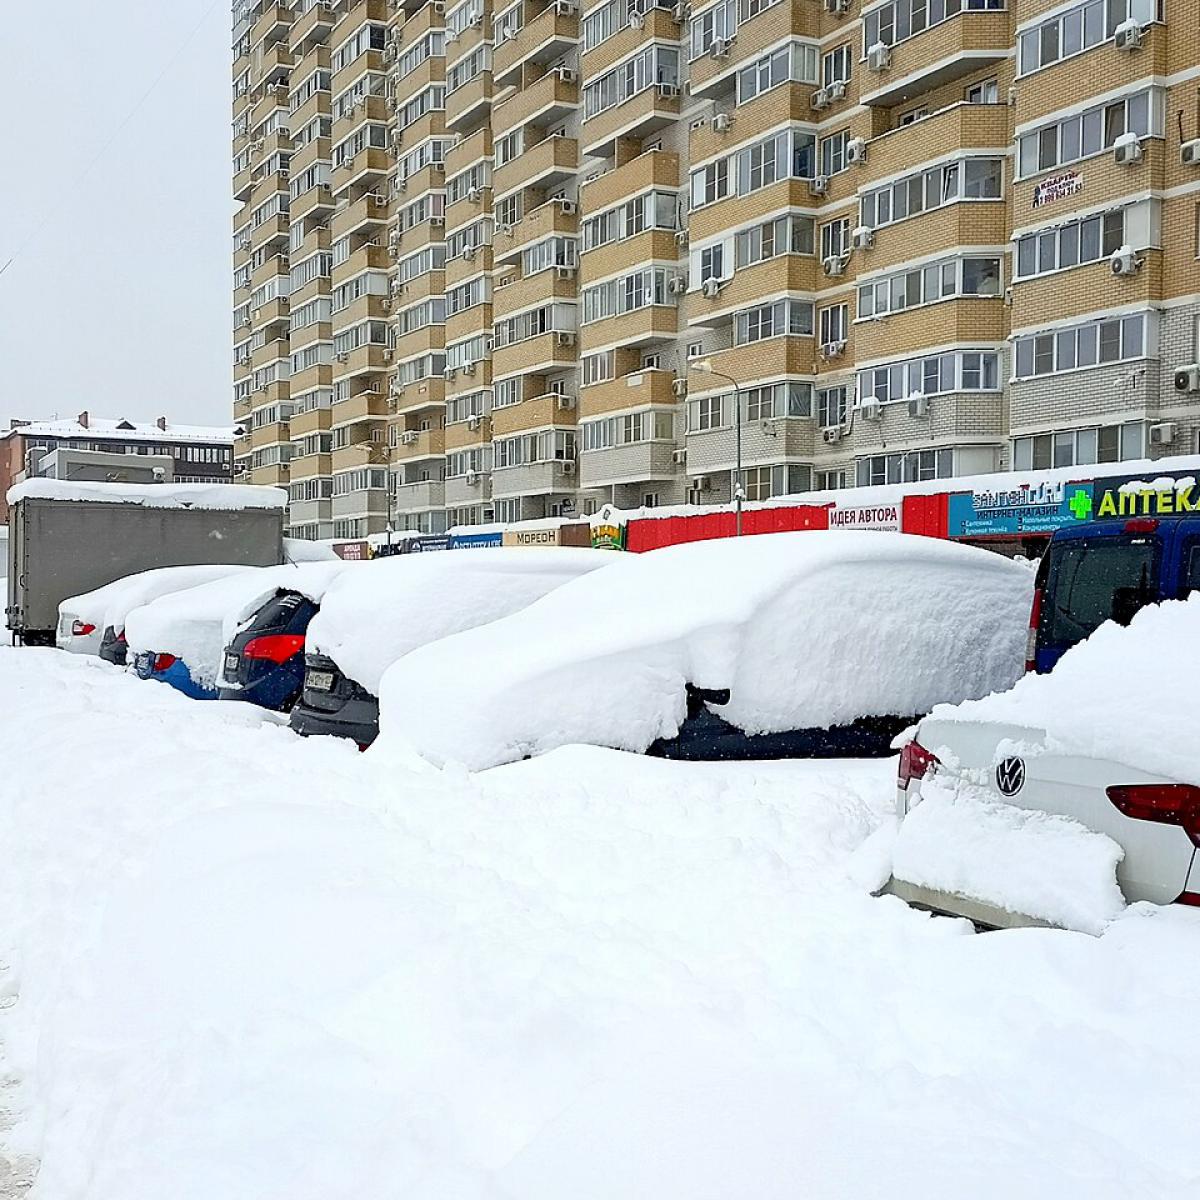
{"x": 1105, "y": 571}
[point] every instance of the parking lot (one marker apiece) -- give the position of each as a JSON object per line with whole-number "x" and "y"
{"x": 590, "y": 974}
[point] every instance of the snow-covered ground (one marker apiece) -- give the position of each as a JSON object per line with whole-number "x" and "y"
{"x": 250, "y": 966}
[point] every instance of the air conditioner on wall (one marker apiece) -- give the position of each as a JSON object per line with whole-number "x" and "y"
{"x": 918, "y": 407}
{"x": 820, "y": 99}
{"x": 710, "y": 289}
{"x": 1127, "y": 150}
{"x": 862, "y": 237}
{"x": 834, "y": 264}
{"x": 679, "y": 457}
{"x": 1187, "y": 379}
{"x": 1189, "y": 153}
{"x": 871, "y": 410}
{"x": 1128, "y": 35}
{"x": 721, "y": 122}
{"x": 879, "y": 57}
{"x": 1124, "y": 262}
{"x": 830, "y": 436}
{"x": 679, "y": 388}
{"x": 1164, "y": 433}
{"x": 856, "y": 150}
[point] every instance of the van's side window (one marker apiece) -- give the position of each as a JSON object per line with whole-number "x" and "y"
{"x": 1191, "y": 569}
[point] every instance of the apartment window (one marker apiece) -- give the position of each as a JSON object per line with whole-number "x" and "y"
{"x": 300, "y": 95}
{"x": 420, "y": 316}
{"x": 627, "y": 430}
{"x": 987, "y": 92}
{"x": 366, "y": 37}
{"x": 1078, "y": 447}
{"x": 468, "y": 68}
{"x": 602, "y": 23}
{"x": 835, "y": 66}
{"x": 370, "y": 283}
{"x": 473, "y": 236}
{"x": 650, "y": 67}
{"x": 831, "y": 408}
{"x": 907, "y": 467}
{"x": 717, "y": 23}
{"x": 912, "y": 116}
{"x": 431, "y": 258}
{"x": 928, "y": 284}
{"x": 970, "y": 179}
{"x": 777, "y": 400}
{"x": 784, "y": 235}
{"x": 793, "y": 63}
{"x": 782, "y": 318}
{"x": 509, "y": 210}
{"x": 833, "y": 153}
{"x": 1070, "y": 245}
{"x": 420, "y": 211}
{"x": 549, "y": 445}
{"x": 1090, "y": 132}
{"x": 934, "y": 374}
{"x": 509, "y": 147}
{"x": 831, "y": 325}
{"x": 1115, "y": 339}
{"x": 1079, "y": 29}
{"x": 432, "y": 99}
{"x": 507, "y": 24}
{"x": 431, "y": 45}
{"x": 638, "y": 290}
{"x": 371, "y": 84}
{"x": 548, "y": 318}
{"x": 552, "y": 252}
{"x": 653, "y": 210}
{"x": 705, "y": 413}
{"x": 902, "y": 19}
{"x": 467, "y": 295}
{"x": 469, "y": 350}
{"x": 365, "y": 333}
{"x": 710, "y": 183}
{"x": 791, "y": 152}
{"x": 315, "y": 312}
{"x": 474, "y": 179}
{"x": 462, "y": 18}
{"x": 712, "y": 262}
{"x": 828, "y": 481}
{"x": 507, "y": 392}
{"x": 835, "y": 238}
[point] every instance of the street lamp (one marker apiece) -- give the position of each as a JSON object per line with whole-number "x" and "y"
{"x": 739, "y": 490}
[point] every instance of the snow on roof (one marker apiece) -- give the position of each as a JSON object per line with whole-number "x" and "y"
{"x": 370, "y": 618}
{"x": 153, "y": 495}
{"x": 101, "y": 429}
{"x": 806, "y": 630}
{"x": 196, "y": 625}
{"x": 1123, "y": 694}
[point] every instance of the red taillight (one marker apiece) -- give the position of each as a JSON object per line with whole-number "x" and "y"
{"x": 1035, "y": 616}
{"x": 1141, "y": 525}
{"x": 1189, "y": 898}
{"x": 1164, "y": 803}
{"x": 915, "y": 763}
{"x": 276, "y": 647}
{"x": 82, "y": 629}
{"x": 121, "y": 636}
{"x": 163, "y": 661}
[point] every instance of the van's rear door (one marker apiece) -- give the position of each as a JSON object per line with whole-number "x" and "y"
{"x": 1101, "y": 573}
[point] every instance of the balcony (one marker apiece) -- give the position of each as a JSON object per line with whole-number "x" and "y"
{"x": 628, "y": 464}
{"x": 551, "y": 217}
{"x": 713, "y": 450}
{"x": 309, "y": 466}
{"x": 534, "y": 479}
{"x": 318, "y": 375}
{"x": 416, "y": 497}
{"x": 650, "y": 110}
{"x": 967, "y": 223}
{"x": 770, "y": 359}
{"x": 640, "y": 328}
{"x": 637, "y": 390}
{"x": 368, "y": 256}
{"x": 370, "y": 61}
{"x": 431, "y": 71}
{"x": 272, "y": 476}
{"x": 540, "y": 412}
{"x": 369, "y": 451}
{"x": 547, "y": 165}
{"x": 311, "y": 30}
{"x": 316, "y": 420}
{"x": 942, "y": 54}
{"x": 271, "y": 230}
{"x": 786, "y": 273}
{"x": 274, "y": 18}
{"x": 654, "y": 245}
{"x": 461, "y": 435}
{"x": 462, "y": 490}
{"x": 269, "y": 435}
{"x": 1102, "y": 180}
{"x": 1046, "y": 298}
{"x": 968, "y": 319}
{"x": 655, "y": 168}
{"x": 370, "y": 359}
{"x": 521, "y": 294}
{"x": 275, "y": 62}
{"x": 658, "y": 27}
{"x": 271, "y": 352}
{"x": 366, "y": 213}
{"x": 960, "y": 126}
{"x": 272, "y": 98}
{"x": 546, "y": 352}
{"x": 711, "y": 75}
{"x": 545, "y": 37}
{"x": 368, "y": 167}
{"x": 467, "y": 106}
{"x": 369, "y": 108}
{"x": 415, "y": 397}
{"x": 553, "y": 97}
{"x": 414, "y": 444}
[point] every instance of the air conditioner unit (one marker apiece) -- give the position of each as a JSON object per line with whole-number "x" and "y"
{"x": 720, "y": 48}
{"x": 1127, "y": 150}
{"x": 710, "y": 288}
{"x": 566, "y": 75}
{"x": 564, "y": 339}
{"x": 394, "y": 251}
{"x": 833, "y": 349}
{"x": 1189, "y": 153}
{"x": 679, "y": 388}
{"x": 437, "y": 222}
{"x": 820, "y": 98}
{"x": 677, "y": 285}
{"x": 472, "y": 478}
{"x": 395, "y": 387}
{"x": 681, "y": 237}
{"x": 385, "y": 305}
{"x": 1124, "y": 262}
{"x": 449, "y": 374}
{"x": 837, "y": 7}
{"x": 721, "y": 122}
{"x": 879, "y": 57}
{"x": 636, "y": 20}
{"x": 468, "y": 368}
{"x": 476, "y": 22}
{"x": 871, "y": 410}
{"x": 668, "y": 91}
{"x": 451, "y": 36}
{"x": 246, "y": 323}
{"x": 565, "y": 8}
{"x": 1187, "y": 379}
{"x": 835, "y": 264}
{"x": 862, "y": 237}
{"x": 568, "y": 468}
{"x": 918, "y": 406}
{"x": 819, "y": 185}
{"x": 856, "y": 150}
{"x": 475, "y": 195}
{"x": 389, "y": 54}
{"x": 832, "y": 436}
{"x": 1163, "y": 434}
{"x": 567, "y": 206}
{"x": 474, "y": 423}
{"x": 702, "y": 483}
{"x": 1128, "y": 35}
{"x": 679, "y": 12}
{"x": 388, "y": 355}
{"x": 564, "y": 403}
{"x": 836, "y": 90}
{"x": 408, "y": 437}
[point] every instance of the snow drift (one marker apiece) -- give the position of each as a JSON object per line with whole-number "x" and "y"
{"x": 196, "y": 625}
{"x": 370, "y": 618}
{"x": 1124, "y": 694}
{"x": 807, "y": 630}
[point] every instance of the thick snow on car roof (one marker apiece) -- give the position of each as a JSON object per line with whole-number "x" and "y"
{"x": 371, "y": 618}
{"x": 110, "y": 604}
{"x": 1124, "y": 694}
{"x": 806, "y": 629}
{"x": 196, "y": 625}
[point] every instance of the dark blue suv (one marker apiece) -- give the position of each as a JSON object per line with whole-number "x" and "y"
{"x": 1106, "y": 571}
{"x": 264, "y": 664}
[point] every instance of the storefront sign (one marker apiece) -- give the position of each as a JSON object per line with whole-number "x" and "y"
{"x": 608, "y": 529}
{"x": 476, "y": 541}
{"x": 1022, "y": 509}
{"x": 865, "y": 516}
{"x": 1057, "y": 187}
{"x": 353, "y": 551}
{"x": 426, "y": 543}
{"x": 530, "y": 537}
{"x": 1176, "y": 494}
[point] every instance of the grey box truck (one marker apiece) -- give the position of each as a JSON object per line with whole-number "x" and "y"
{"x": 69, "y": 538}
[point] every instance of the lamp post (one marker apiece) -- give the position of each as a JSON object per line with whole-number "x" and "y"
{"x": 739, "y": 490}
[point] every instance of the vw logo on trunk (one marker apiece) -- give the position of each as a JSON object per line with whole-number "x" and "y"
{"x": 1010, "y": 776}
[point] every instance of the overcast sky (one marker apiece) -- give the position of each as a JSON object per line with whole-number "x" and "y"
{"x": 119, "y": 301}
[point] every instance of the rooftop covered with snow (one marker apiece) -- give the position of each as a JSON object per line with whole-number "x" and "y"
{"x": 152, "y": 495}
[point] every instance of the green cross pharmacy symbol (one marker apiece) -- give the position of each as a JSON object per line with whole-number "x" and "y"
{"x": 1080, "y": 505}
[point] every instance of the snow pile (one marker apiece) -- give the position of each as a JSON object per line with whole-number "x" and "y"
{"x": 109, "y": 605}
{"x": 369, "y": 619}
{"x": 197, "y": 625}
{"x": 1024, "y": 861}
{"x": 808, "y": 630}
{"x": 298, "y": 550}
{"x": 1124, "y": 694}
{"x": 290, "y": 970}
{"x": 153, "y": 495}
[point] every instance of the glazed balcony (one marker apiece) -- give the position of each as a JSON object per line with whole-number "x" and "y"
{"x": 269, "y": 435}
{"x": 655, "y": 168}
{"x": 534, "y": 479}
{"x": 546, "y": 352}
{"x": 542, "y": 39}
{"x": 367, "y": 213}
{"x": 369, "y": 256}
{"x": 419, "y": 496}
{"x": 551, "y": 98}
{"x": 785, "y": 273}
{"x": 546, "y": 219}
{"x": 631, "y": 463}
{"x": 640, "y": 389}
{"x": 654, "y": 323}
{"x": 768, "y": 359}
{"x": 652, "y": 109}
{"x": 711, "y": 75}
{"x": 965, "y": 126}
{"x": 316, "y": 420}
{"x": 368, "y": 168}
{"x": 538, "y": 412}
{"x": 371, "y": 359}
{"x": 310, "y": 30}
{"x": 274, "y": 22}
{"x": 547, "y": 165}
{"x": 468, "y": 105}
{"x": 415, "y": 444}
{"x": 520, "y": 294}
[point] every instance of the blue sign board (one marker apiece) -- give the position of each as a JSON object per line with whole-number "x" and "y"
{"x": 475, "y": 541}
{"x": 434, "y": 541}
{"x": 1028, "y": 508}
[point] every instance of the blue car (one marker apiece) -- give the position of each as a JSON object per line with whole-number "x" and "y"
{"x": 1106, "y": 571}
{"x": 264, "y": 664}
{"x": 166, "y": 668}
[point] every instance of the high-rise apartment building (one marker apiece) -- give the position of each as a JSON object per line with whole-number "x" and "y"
{"x": 503, "y": 260}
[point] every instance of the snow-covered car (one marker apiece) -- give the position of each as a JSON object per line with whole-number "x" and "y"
{"x": 180, "y": 639}
{"x": 368, "y": 620}
{"x": 94, "y": 623}
{"x": 1068, "y": 796}
{"x": 740, "y": 647}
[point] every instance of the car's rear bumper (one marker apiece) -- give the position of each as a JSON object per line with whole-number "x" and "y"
{"x": 357, "y": 720}
{"x": 989, "y": 916}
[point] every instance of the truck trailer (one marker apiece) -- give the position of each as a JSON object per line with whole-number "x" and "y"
{"x": 68, "y": 538}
